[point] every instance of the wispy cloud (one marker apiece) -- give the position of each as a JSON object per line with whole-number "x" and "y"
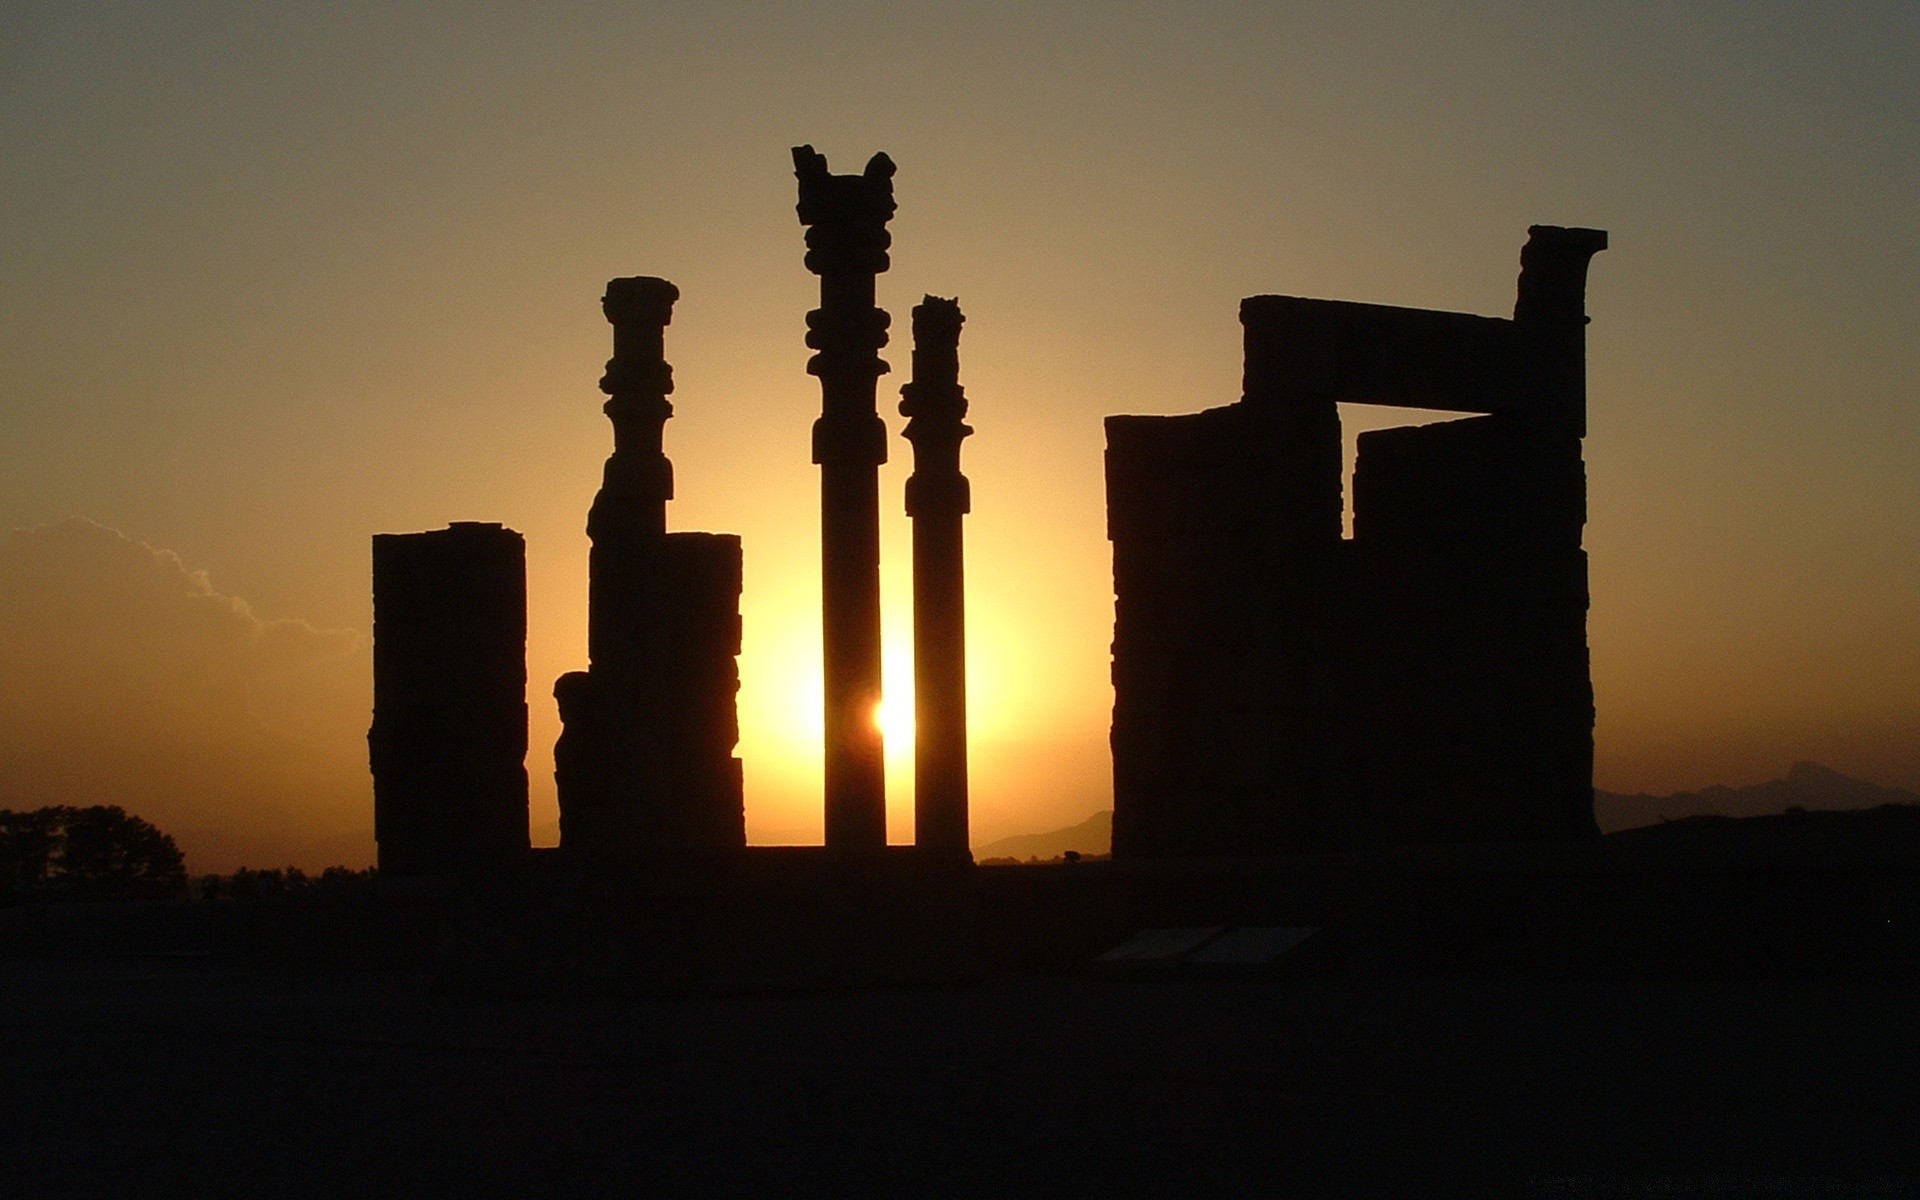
{"x": 127, "y": 678}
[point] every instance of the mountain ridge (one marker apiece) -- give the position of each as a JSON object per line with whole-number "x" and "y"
{"x": 1091, "y": 836}
{"x": 1807, "y": 785}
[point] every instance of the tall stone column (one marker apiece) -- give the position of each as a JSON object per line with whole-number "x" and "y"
{"x": 638, "y": 480}
{"x": 846, "y": 219}
{"x": 645, "y": 762}
{"x": 935, "y": 406}
{"x": 600, "y": 710}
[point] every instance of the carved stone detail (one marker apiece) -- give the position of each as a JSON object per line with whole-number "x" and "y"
{"x": 638, "y": 480}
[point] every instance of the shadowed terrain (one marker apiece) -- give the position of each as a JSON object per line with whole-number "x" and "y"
{"x": 216, "y": 1082}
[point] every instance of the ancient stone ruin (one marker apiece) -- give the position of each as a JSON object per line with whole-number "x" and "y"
{"x": 1280, "y": 687}
{"x": 935, "y": 406}
{"x": 846, "y": 219}
{"x": 448, "y": 745}
{"x": 646, "y": 761}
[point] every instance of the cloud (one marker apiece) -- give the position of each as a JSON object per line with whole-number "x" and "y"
{"x": 126, "y": 678}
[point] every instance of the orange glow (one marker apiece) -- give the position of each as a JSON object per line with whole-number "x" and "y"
{"x": 893, "y": 716}
{"x": 387, "y": 334}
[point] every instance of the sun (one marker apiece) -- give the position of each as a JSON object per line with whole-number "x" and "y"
{"x": 893, "y": 717}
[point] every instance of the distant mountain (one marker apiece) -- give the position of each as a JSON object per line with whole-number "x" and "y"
{"x": 1091, "y": 836}
{"x": 1805, "y": 785}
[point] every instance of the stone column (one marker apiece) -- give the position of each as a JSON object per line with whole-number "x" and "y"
{"x": 639, "y": 479}
{"x": 1556, "y": 688}
{"x": 645, "y": 762}
{"x": 846, "y": 218}
{"x": 935, "y": 406}
{"x": 1550, "y": 314}
{"x": 600, "y": 751}
{"x": 631, "y": 505}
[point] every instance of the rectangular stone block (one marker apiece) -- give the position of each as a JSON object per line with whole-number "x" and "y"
{"x": 448, "y": 743}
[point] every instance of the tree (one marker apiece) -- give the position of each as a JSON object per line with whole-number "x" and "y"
{"x": 28, "y": 843}
{"x": 86, "y": 852}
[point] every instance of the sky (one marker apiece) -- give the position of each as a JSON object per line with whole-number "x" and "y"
{"x": 275, "y": 277}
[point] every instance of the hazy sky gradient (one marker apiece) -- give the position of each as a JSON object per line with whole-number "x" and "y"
{"x": 276, "y": 277}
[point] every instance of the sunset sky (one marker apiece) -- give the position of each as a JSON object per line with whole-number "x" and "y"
{"x": 275, "y": 277}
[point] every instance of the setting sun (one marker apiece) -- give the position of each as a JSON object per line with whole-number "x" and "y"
{"x": 893, "y": 717}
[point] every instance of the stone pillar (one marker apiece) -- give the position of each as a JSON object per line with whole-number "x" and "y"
{"x": 645, "y": 762}
{"x": 846, "y": 218}
{"x": 1556, "y": 692}
{"x": 631, "y": 505}
{"x": 935, "y": 406}
{"x": 1550, "y": 314}
{"x": 448, "y": 745}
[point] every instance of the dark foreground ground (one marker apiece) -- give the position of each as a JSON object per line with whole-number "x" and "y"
{"x": 189, "y": 1078}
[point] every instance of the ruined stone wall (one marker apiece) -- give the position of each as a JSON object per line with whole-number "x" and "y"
{"x": 1460, "y": 699}
{"x": 646, "y": 759}
{"x": 448, "y": 744}
{"x": 1279, "y": 688}
{"x": 1217, "y": 580}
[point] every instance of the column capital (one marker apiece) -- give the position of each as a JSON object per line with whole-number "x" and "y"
{"x": 638, "y": 479}
{"x": 639, "y": 299}
{"x": 1553, "y": 273}
{"x": 934, "y": 397}
{"x": 828, "y": 199}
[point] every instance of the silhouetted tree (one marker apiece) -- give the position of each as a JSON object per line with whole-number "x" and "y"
{"x": 86, "y": 852}
{"x": 28, "y": 843}
{"x": 248, "y": 883}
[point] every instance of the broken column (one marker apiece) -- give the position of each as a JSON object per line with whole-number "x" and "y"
{"x": 645, "y": 761}
{"x": 846, "y": 220}
{"x": 935, "y": 406}
{"x": 448, "y": 745}
{"x": 638, "y": 480}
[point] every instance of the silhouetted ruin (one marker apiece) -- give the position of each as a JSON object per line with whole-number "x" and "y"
{"x": 1279, "y": 687}
{"x": 846, "y": 220}
{"x": 646, "y": 761}
{"x": 448, "y": 745}
{"x": 935, "y": 406}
